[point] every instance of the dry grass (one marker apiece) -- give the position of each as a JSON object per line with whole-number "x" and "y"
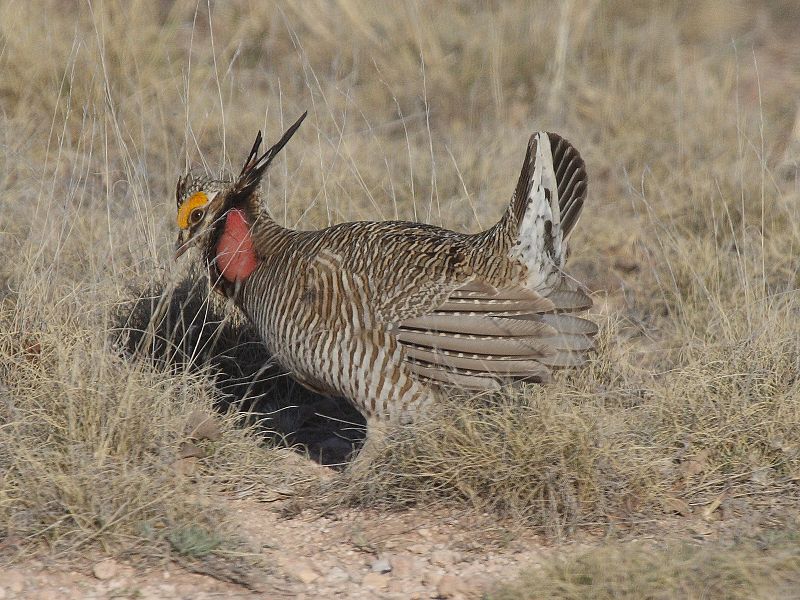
{"x": 750, "y": 569}
{"x": 690, "y": 241}
{"x": 97, "y": 448}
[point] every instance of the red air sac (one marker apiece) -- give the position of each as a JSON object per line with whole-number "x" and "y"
{"x": 236, "y": 256}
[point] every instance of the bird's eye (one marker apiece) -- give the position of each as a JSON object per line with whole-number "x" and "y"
{"x": 196, "y": 216}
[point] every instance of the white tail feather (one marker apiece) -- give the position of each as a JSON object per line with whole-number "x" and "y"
{"x": 539, "y": 237}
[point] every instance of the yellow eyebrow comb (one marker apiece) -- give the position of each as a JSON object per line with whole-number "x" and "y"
{"x": 192, "y": 202}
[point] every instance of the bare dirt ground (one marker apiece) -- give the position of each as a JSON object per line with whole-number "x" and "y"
{"x": 337, "y": 553}
{"x": 284, "y": 550}
{"x": 348, "y": 553}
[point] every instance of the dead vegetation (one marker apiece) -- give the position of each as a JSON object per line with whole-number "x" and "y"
{"x": 761, "y": 569}
{"x": 97, "y": 448}
{"x": 684, "y": 113}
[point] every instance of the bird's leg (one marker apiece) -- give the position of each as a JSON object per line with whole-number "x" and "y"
{"x": 373, "y": 445}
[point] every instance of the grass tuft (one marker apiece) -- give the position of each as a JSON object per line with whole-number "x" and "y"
{"x": 90, "y": 446}
{"x": 758, "y": 569}
{"x": 193, "y": 541}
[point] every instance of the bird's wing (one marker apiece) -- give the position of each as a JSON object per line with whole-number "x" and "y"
{"x": 480, "y": 335}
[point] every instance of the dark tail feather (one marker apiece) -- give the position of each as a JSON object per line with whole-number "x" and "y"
{"x": 521, "y": 197}
{"x": 571, "y": 179}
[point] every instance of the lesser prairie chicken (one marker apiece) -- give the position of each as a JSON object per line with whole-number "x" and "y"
{"x": 387, "y": 313}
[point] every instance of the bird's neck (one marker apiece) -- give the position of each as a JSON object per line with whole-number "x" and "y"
{"x": 235, "y": 254}
{"x": 246, "y": 239}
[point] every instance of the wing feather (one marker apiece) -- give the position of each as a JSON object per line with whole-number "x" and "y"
{"x": 477, "y": 325}
{"x": 491, "y": 345}
{"x": 481, "y": 335}
{"x": 455, "y": 378}
{"x": 565, "y": 300}
{"x": 481, "y": 363}
{"x": 568, "y": 324}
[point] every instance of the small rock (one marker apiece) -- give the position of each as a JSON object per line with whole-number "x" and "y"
{"x": 701, "y": 529}
{"x": 105, "y": 569}
{"x": 306, "y": 576}
{"x": 403, "y": 566}
{"x": 761, "y": 476}
{"x": 189, "y": 590}
{"x": 444, "y": 558}
{"x": 419, "y": 548}
{"x": 431, "y": 578}
{"x": 381, "y": 565}
{"x": 13, "y": 581}
{"x": 202, "y": 426}
{"x": 147, "y": 593}
{"x": 186, "y": 466}
{"x": 337, "y": 575}
{"x": 190, "y": 450}
{"x": 167, "y": 588}
{"x": 477, "y": 584}
{"x": 450, "y": 586}
{"x": 303, "y": 572}
{"x": 376, "y": 581}
{"x": 119, "y": 582}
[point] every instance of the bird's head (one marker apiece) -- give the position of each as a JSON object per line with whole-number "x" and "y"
{"x": 203, "y": 202}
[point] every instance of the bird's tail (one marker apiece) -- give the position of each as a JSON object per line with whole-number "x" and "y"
{"x": 483, "y": 334}
{"x": 546, "y": 205}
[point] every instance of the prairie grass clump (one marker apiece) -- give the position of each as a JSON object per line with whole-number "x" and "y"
{"x": 96, "y": 448}
{"x": 752, "y": 568}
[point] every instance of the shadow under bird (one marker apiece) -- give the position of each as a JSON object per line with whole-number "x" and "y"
{"x": 388, "y": 313}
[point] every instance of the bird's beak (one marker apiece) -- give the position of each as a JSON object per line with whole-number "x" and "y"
{"x": 181, "y": 244}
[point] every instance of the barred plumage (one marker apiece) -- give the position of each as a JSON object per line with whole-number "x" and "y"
{"x": 387, "y": 313}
